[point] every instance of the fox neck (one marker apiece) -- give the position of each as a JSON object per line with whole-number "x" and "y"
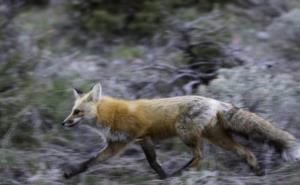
{"x": 105, "y": 110}
{"x": 111, "y": 112}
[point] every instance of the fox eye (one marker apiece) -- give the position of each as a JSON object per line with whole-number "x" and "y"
{"x": 76, "y": 111}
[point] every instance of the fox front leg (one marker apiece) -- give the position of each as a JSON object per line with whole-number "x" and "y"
{"x": 148, "y": 148}
{"x": 111, "y": 150}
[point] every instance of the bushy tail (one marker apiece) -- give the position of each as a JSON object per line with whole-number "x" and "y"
{"x": 251, "y": 125}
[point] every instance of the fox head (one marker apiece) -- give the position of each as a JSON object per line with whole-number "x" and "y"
{"x": 84, "y": 106}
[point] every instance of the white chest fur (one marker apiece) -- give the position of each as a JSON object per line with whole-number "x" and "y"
{"x": 115, "y": 136}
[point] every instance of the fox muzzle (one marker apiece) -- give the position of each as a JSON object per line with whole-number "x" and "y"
{"x": 71, "y": 122}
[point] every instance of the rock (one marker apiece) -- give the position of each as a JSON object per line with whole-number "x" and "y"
{"x": 263, "y": 35}
{"x": 285, "y": 34}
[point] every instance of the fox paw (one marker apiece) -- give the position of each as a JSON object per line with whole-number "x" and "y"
{"x": 67, "y": 175}
{"x": 259, "y": 171}
{"x": 69, "y": 171}
{"x": 162, "y": 176}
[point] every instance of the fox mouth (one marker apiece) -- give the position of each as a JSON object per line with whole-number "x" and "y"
{"x": 71, "y": 124}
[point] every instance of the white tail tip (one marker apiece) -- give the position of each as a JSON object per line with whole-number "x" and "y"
{"x": 292, "y": 153}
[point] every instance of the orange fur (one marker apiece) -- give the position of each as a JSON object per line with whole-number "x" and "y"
{"x": 138, "y": 117}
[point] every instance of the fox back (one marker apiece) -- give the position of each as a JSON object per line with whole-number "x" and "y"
{"x": 157, "y": 117}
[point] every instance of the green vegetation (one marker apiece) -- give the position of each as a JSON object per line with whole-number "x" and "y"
{"x": 54, "y": 102}
{"x": 139, "y": 19}
{"x": 7, "y": 158}
{"x": 126, "y": 52}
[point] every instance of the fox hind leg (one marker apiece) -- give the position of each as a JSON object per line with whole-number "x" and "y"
{"x": 191, "y": 136}
{"x": 250, "y": 158}
{"x": 222, "y": 139}
{"x": 195, "y": 162}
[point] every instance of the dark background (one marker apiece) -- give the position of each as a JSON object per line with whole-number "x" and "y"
{"x": 244, "y": 52}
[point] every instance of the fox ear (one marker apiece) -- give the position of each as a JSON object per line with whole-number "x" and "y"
{"x": 96, "y": 92}
{"x": 77, "y": 93}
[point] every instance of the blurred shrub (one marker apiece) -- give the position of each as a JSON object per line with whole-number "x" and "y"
{"x": 261, "y": 12}
{"x": 15, "y": 85}
{"x": 36, "y": 2}
{"x": 20, "y": 3}
{"x": 27, "y": 104}
{"x": 53, "y": 100}
{"x": 14, "y": 75}
{"x": 194, "y": 53}
{"x": 285, "y": 34}
{"x": 135, "y": 18}
{"x": 143, "y": 18}
{"x": 10, "y": 8}
{"x": 31, "y": 108}
{"x": 126, "y": 52}
{"x": 116, "y": 17}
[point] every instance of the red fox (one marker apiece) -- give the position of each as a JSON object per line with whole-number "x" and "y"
{"x": 190, "y": 118}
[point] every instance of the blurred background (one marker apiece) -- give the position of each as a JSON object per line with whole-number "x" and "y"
{"x": 244, "y": 52}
